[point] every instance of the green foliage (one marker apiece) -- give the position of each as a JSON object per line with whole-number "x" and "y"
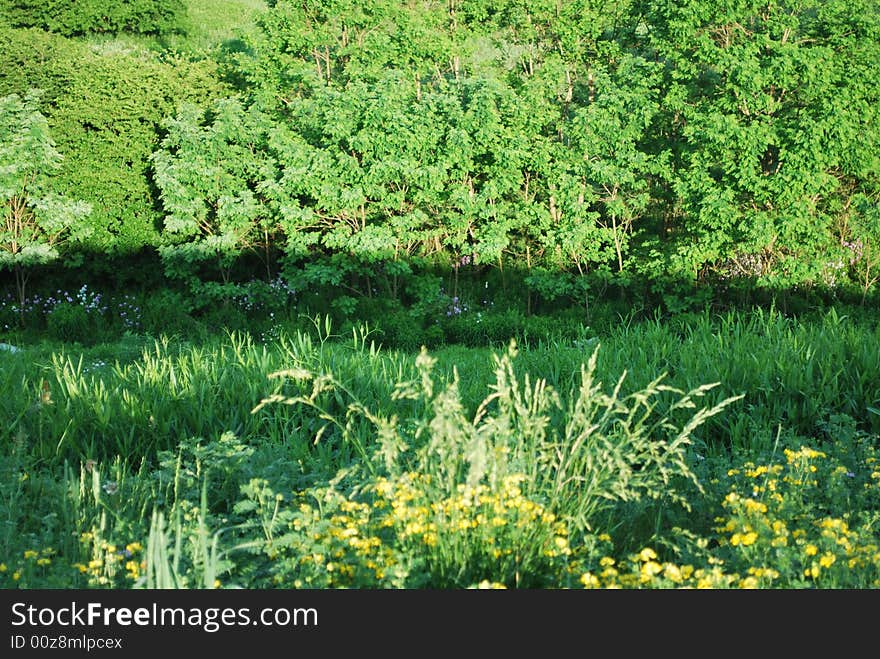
{"x": 72, "y": 323}
{"x": 391, "y": 144}
{"x": 631, "y": 138}
{"x": 35, "y": 221}
{"x": 771, "y": 127}
{"x": 522, "y": 446}
{"x": 585, "y": 145}
{"x": 104, "y": 105}
{"x": 82, "y": 17}
{"x": 861, "y": 244}
{"x": 211, "y": 188}
{"x": 168, "y": 313}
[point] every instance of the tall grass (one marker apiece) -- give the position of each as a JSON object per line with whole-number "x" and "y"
{"x": 66, "y": 403}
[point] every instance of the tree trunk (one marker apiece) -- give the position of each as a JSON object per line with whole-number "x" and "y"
{"x": 21, "y": 279}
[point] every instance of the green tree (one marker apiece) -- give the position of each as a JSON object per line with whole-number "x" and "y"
{"x": 105, "y": 105}
{"x": 210, "y": 170}
{"x": 36, "y": 222}
{"x": 771, "y": 120}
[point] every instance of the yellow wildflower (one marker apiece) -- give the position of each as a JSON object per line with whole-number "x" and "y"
{"x": 589, "y": 580}
{"x": 649, "y": 570}
{"x": 671, "y": 572}
{"x": 647, "y": 554}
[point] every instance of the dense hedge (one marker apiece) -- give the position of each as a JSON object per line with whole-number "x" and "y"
{"x": 81, "y": 17}
{"x": 105, "y": 105}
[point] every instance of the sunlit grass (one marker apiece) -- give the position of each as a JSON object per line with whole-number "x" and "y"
{"x": 164, "y": 462}
{"x": 209, "y": 25}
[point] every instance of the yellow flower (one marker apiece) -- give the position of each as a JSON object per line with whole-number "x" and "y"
{"x": 589, "y": 580}
{"x": 16, "y": 575}
{"x": 2, "y": 567}
{"x": 649, "y": 570}
{"x": 755, "y": 507}
{"x": 134, "y": 547}
{"x": 604, "y": 537}
{"x": 671, "y": 572}
{"x": 759, "y": 471}
{"x": 606, "y": 561}
{"x": 609, "y": 573}
{"x": 827, "y": 559}
{"x": 811, "y": 550}
{"x": 30, "y": 553}
{"x": 44, "y": 561}
{"x": 748, "y": 583}
{"x": 647, "y": 554}
{"x": 749, "y": 538}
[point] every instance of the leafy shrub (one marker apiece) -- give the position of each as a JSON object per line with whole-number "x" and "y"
{"x": 81, "y": 17}
{"x": 225, "y": 317}
{"x": 401, "y": 330}
{"x": 104, "y": 105}
{"x": 167, "y": 312}
{"x": 73, "y": 323}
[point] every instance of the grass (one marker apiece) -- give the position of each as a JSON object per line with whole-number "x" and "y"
{"x": 209, "y": 24}
{"x": 723, "y": 451}
{"x": 215, "y": 22}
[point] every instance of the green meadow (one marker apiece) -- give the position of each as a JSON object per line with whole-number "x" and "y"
{"x": 418, "y": 295}
{"x": 735, "y": 450}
